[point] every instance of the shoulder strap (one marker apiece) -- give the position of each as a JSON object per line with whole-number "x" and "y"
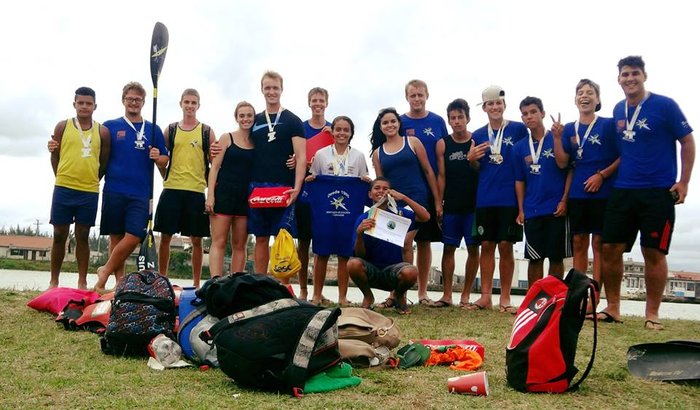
{"x": 205, "y": 150}
{"x": 295, "y": 374}
{"x": 580, "y": 295}
{"x": 172, "y": 130}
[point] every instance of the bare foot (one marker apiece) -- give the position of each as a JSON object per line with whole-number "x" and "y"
{"x": 367, "y": 302}
{"x": 101, "y": 280}
{"x": 303, "y": 293}
{"x": 82, "y": 285}
{"x": 344, "y": 302}
{"x": 53, "y": 284}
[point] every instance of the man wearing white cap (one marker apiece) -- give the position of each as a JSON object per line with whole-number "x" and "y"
{"x": 496, "y": 204}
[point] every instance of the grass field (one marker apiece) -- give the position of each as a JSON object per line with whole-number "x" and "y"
{"x": 44, "y": 366}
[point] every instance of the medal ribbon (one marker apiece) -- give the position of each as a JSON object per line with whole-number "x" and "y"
{"x": 86, "y": 141}
{"x": 139, "y": 134}
{"x": 340, "y": 161}
{"x": 579, "y": 141}
{"x": 270, "y": 125}
{"x": 629, "y": 125}
{"x": 536, "y": 154}
{"x": 495, "y": 143}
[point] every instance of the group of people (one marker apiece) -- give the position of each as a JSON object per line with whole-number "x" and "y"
{"x": 595, "y": 182}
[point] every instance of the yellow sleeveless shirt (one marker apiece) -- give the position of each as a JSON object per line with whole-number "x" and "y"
{"x": 187, "y": 158}
{"x": 79, "y": 162}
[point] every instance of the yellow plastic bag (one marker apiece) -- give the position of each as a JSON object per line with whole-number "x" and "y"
{"x": 284, "y": 261}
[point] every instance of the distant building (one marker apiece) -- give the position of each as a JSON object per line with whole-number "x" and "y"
{"x": 35, "y": 248}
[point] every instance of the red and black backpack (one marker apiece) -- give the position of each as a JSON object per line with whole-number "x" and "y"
{"x": 542, "y": 347}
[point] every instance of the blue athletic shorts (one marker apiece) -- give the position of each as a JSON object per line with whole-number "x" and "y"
{"x": 123, "y": 214}
{"x": 456, "y": 226}
{"x": 72, "y": 206}
{"x": 269, "y": 221}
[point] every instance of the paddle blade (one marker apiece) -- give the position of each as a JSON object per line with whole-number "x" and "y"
{"x": 159, "y": 47}
{"x": 664, "y": 361}
{"x": 148, "y": 255}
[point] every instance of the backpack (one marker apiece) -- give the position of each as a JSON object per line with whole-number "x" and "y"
{"x": 277, "y": 346}
{"x": 542, "y": 347}
{"x": 172, "y": 130}
{"x": 143, "y": 307}
{"x": 366, "y": 338}
{"x": 240, "y": 291}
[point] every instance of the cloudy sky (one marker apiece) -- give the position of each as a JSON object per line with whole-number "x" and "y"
{"x": 363, "y": 52}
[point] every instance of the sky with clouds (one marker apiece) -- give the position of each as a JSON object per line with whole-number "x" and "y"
{"x": 363, "y": 52}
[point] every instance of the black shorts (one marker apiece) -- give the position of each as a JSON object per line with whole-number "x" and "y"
{"x": 586, "y": 215}
{"x": 498, "y": 224}
{"x": 385, "y": 279}
{"x": 651, "y": 212}
{"x": 231, "y": 199}
{"x": 303, "y": 215}
{"x": 429, "y": 231}
{"x": 547, "y": 237}
{"x": 181, "y": 211}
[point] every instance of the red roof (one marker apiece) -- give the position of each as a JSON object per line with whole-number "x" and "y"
{"x": 685, "y": 275}
{"x": 26, "y": 242}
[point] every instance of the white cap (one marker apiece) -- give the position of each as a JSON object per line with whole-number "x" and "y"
{"x": 492, "y": 93}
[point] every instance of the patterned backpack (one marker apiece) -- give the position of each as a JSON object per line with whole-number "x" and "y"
{"x": 143, "y": 307}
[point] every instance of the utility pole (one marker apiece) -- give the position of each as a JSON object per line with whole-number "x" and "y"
{"x": 37, "y": 227}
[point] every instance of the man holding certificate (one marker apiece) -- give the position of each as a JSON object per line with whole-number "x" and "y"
{"x": 379, "y": 261}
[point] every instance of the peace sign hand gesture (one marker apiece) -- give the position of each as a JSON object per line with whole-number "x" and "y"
{"x": 557, "y": 126}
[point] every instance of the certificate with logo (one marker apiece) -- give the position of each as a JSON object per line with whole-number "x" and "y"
{"x": 389, "y": 226}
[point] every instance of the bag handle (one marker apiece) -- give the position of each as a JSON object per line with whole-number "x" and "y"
{"x": 230, "y": 320}
{"x": 590, "y": 293}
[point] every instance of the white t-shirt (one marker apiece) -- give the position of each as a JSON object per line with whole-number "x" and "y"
{"x": 327, "y": 163}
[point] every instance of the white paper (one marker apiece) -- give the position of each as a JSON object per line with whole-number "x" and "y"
{"x": 389, "y": 227}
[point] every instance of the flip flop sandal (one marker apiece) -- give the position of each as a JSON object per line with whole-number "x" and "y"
{"x": 652, "y": 325}
{"x": 508, "y": 309}
{"x": 472, "y": 306}
{"x": 425, "y": 301}
{"x": 440, "y": 304}
{"x": 608, "y": 318}
{"x": 401, "y": 309}
{"x": 387, "y": 304}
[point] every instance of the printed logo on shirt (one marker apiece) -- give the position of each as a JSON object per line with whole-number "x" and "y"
{"x": 642, "y": 124}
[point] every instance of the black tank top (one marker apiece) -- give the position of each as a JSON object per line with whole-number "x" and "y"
{"x": 236, "y": 166}
{"x": 460, "y": 178}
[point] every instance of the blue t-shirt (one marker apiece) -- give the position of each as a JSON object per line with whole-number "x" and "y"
{"x": 130, "y": 170}
{"x": 335, "y": 204}
{"x": 497, "y": 181}
{"x": 310, "y": 131}
{"x": 272, "y": 152}
{"x": 648, "y": 159}
{"x": 378, "y": 252}
{"x": 598, "y": 152}
{"x": 544, "y": 181}
{"x": 428, "y": 130}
